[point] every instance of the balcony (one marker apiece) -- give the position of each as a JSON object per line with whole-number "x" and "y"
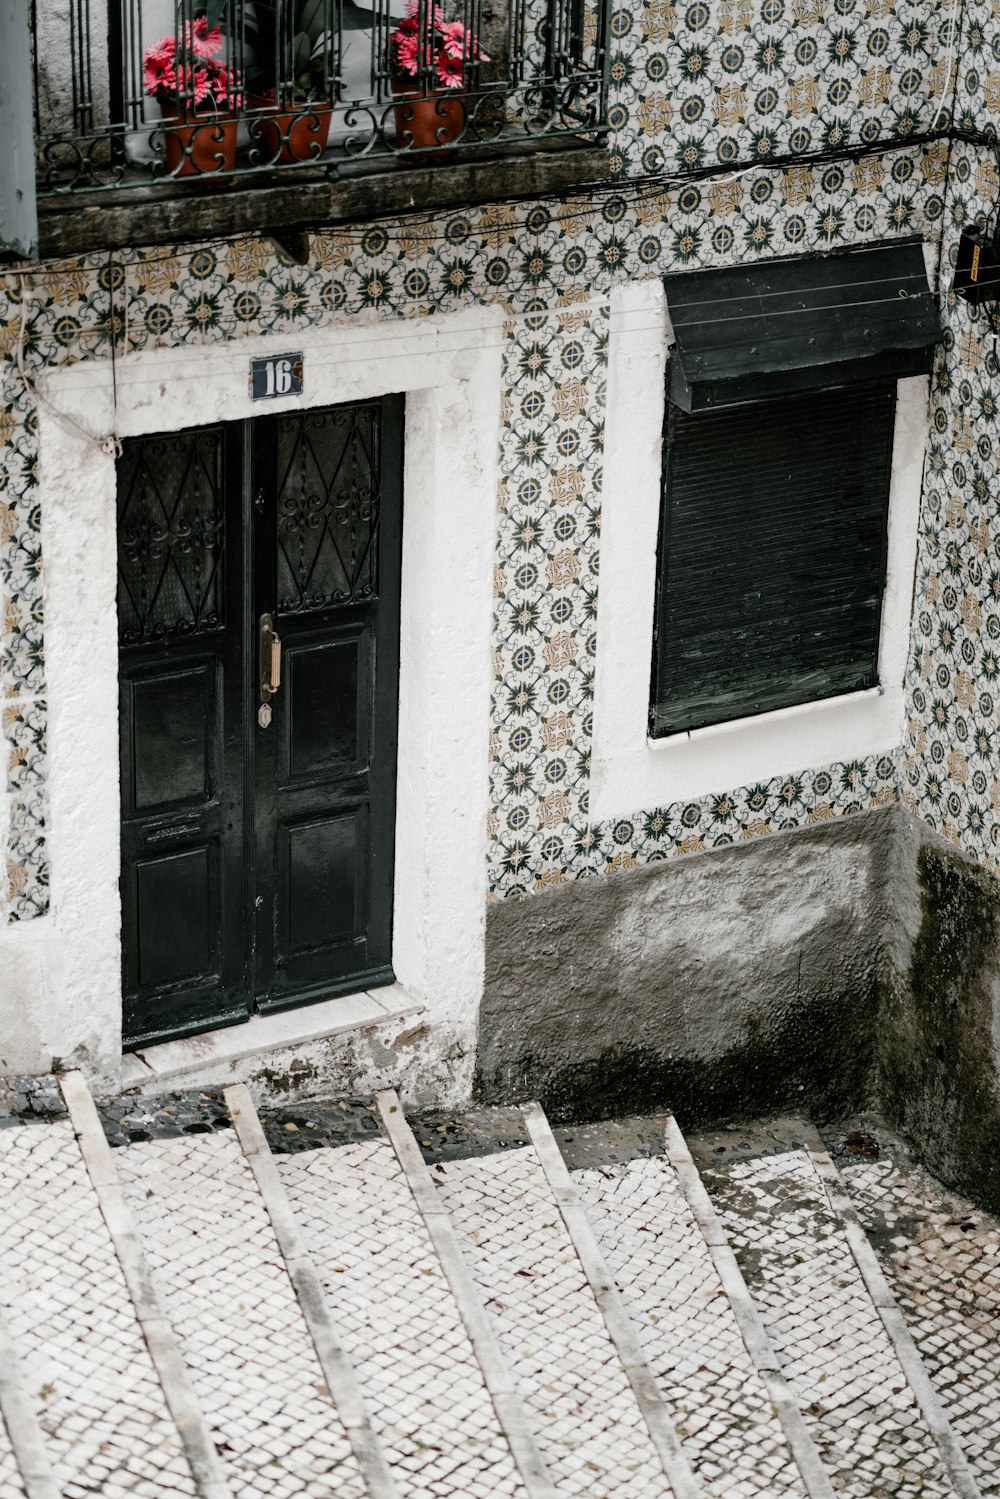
{"x": 168, "y": 120}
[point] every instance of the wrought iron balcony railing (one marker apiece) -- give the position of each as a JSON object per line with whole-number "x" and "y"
{"x": 130, "y": 93}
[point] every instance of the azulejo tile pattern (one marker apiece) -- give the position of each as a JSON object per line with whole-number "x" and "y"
{"x": 748, "y": 80}
{"x": 951, "y": 768}
{"x": 709, "y": 84}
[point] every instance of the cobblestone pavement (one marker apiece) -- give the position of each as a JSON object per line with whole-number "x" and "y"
{"x": 825, "y": 1330}
{"x": 477, "y": 1361}
{"x": 85, "y": 1363}
{"x": 587, "y": 1422}
{"x": 399, "y": 1323}
{"x": 663, "y": 1268}
{"x": 942, "y": 1259}
{"x": 211, "y": 1248}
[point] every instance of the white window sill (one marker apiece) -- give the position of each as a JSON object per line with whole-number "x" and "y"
{"x": 172, "y": 1060}
{"x": 682, "y": 767}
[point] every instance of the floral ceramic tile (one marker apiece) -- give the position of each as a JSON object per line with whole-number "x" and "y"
{"x": 693, "y": 86}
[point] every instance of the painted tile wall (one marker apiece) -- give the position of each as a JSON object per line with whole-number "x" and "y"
{"x": 734, "y": 81}
{"x": 951, "y": 768}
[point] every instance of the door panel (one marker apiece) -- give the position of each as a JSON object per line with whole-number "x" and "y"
{"x": 324, "y": 883}
{"x": 176, "y": 918}
{"x": 327, "y": 718}
{"x": 180, "y": 636}
{"x": 257, "y": 855}
{"x": 327, "y": 566}
{"x": 174, "y": 723}
{"x": 328, "y": 480}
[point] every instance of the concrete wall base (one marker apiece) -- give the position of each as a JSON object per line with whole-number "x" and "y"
{"x": 851, "y": 965}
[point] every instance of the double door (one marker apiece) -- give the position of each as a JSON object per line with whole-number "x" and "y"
{"x": 258, "y": 610}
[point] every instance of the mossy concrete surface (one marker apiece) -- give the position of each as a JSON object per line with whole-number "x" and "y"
{"x": 820, "y": 972}
{"x": 940, "y": 1034}
{"x": 741, "y": 982}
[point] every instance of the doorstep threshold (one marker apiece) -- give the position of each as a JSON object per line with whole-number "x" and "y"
{"x": 171, "y": 1060}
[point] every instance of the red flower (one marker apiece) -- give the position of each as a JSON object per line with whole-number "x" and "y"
{"x": 450, "y": 71}
{"x": 191, "y": 66}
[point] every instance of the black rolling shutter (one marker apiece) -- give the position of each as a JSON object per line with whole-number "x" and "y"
{"x": 772, "y": 554}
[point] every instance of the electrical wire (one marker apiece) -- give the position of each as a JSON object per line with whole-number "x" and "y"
{"x": 343, "y": 358}
{"x": 633, "y": 189}
{"x": 952, "y": 39}
{"x": 626, "y": 188}
{"x": 109, "y": 444}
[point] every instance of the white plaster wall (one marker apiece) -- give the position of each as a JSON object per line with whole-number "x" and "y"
{"x": 632, "y": 771}
{"x": 53, "y": 45}
{"x": 62, "y": 986}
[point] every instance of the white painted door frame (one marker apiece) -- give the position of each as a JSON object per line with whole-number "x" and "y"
{"x": 67, "y": 965}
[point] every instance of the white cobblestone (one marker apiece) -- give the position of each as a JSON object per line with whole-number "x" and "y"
{"x": 212, "y": 1250}
{"x": 945, "y": 1273}
{"x": 826, "y": 1331}
{"x": 84, "y": 1362}
{"x": 11, "y": 1486}
{"x": 577, "y": 1395}
{"x": 398, "y": 1322}
{"x": 665, "y": 1273}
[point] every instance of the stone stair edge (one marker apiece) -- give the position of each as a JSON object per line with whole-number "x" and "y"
{"x": 526, "y": 1127}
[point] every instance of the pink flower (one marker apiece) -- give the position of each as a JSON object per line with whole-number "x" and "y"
{"x": 454, "y": 40}
{"x": 444, "y": 46}
{"x": 406, "y": 54}
{"x": 193, "y": 83}
{"x": 158, "y": 74}
{"x": 227, "y": 88}
{"x": 205, "y": 43}
{"x": 161, "y": 51}
{"x": 190, "y": 67}
{"x": 450, "y": 71}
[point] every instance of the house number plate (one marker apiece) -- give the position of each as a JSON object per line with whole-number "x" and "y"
{"x": 280, "y": 376}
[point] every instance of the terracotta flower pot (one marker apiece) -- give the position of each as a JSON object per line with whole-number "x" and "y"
{"x": 200, "y": 145}
{"x": 433, "y": 119}
{"x": 287, "y": 135}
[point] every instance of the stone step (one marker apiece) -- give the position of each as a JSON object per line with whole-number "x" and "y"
{"x": 84, "y": 1364}
{"x": 197, "y": 1316}
{"x": 941, "y": 1257}
{"x": 579, "y": 1401}
{"x": 664, "y": 1269}
{"x": 399, "y": 1322}
{"x": 845, "y": 1370}
{"x": 213, "y": 1253}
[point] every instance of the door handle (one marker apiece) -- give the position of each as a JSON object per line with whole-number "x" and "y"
{"x": 270, "y": 664}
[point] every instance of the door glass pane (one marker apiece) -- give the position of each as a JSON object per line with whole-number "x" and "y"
{"x": 328, "y": 508}
{"x": 171, "y": 535}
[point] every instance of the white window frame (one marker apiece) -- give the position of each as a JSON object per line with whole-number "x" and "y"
{"x": 631, "y": 771}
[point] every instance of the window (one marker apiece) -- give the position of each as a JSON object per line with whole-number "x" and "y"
{"x": 772, "y": 554}
{"x": 630, "y": 767}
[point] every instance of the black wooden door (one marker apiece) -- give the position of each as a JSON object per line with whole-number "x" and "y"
{"x": 259, "y": 639}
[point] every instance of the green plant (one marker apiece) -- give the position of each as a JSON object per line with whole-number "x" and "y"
{"x": 290, "y": 44}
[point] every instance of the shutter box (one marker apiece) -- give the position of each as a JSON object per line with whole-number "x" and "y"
{"x": 772, "y": 555}
{"x": 750, "y": 332}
